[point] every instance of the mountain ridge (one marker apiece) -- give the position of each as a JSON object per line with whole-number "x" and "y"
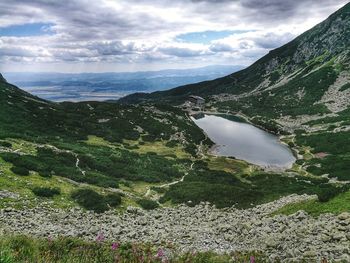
{"x": 2, "y": 79}
{"x": 329, "y": 40}
{"x": 108, "y": 86}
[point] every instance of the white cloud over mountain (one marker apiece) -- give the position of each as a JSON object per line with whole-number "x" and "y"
{"x": 119, "y": 35}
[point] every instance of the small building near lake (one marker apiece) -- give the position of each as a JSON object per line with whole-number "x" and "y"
{"x": 197, "y": 101}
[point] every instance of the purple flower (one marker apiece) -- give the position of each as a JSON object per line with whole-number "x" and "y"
{"x": 115, "y": 246}
{"x": 100, "y": 237}
{"x": 252, "y": 259}
{"x": 160, "y": 253}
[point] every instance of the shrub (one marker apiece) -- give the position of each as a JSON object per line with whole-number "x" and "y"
{"x": 46, "y": 191}
{"x": 345, "y": 87}
{"x": 331, "y": 127}
{"x": 171, "y": 144}
{"x": 20, "y": 170}
{"x": 300, "y": 162}
{"x": 113, "y": 199}
{"x": 45, "y": 173}
{"x": 160, "y": 190}
{"x": 90, "y": 200}
{"x": 148, "y": 204}
{"x": 327, "y": 192}
{"x": 5, "y": 144}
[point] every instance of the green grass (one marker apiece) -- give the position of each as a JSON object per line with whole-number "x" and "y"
{"x": 336, "y": 145}
{"x": 337, "y": 205}
{"x": 241, "y": 190}
{"x": 15, "y": 249}
{"x": 284, "y": 101}
{"x": 134, "y": 147}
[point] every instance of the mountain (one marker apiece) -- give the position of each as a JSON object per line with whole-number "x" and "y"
{"x": 301, "y": 90}
{"x": 117, "y": 156}
{"x": 112, "y": 147}
{"x": 108, "y": 86}
{"x": 26, "y": 116}
{"x": 147, "y": 153}
{"x": 2, "y": 79}
{"x": 301, "y": 77}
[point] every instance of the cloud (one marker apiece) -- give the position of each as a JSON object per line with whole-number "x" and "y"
{"x": 221, "y": 47}
{"x": 17, "y": 52}
{"x": 272, "y": 40}
{"x": 132, "y": 33}
{"x": 179, "y": 51}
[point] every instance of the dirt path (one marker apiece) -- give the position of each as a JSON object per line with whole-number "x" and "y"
{"x": 149, "y": 191}
{"x": 77, "y": 165}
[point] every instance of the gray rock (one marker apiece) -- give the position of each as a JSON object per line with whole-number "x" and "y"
{"x": 310, "y": 253}
{"x": 344, "y": 216}
{"x": 201, "y": 228}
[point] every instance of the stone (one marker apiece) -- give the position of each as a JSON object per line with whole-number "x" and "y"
{"x": 345, "y": 258}
{"x": 338, "y": 236}
{"x": 310, "y": 253}
{"x": 200, "y": 228}
{"x": 344, "y": 216}
{"x": 8, "y": 209}
{"x": 271, "y": 242}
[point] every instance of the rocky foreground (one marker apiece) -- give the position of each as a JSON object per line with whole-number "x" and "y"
{"x": 287, "y": 238}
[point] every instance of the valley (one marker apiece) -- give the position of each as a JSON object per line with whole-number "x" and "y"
{"x": 111, "y": 165}
{"x": 142, "y": 169}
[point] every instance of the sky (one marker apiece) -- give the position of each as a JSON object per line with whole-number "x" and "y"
{"x": 133, "y": 35}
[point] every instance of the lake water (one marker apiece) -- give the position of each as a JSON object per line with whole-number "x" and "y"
{"x": 245, "y": 142}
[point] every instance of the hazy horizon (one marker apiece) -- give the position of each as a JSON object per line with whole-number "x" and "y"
{"x": 126, "y": 71}
{"x": 84, "y": 86}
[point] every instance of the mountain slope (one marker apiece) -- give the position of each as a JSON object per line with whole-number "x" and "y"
{"x": 2, "y": 79}
{"x": 103, "y": 146}
{"x": 321, "y": 54}
{"x": 140, "y": 147}
{"x": 302, "y": 88}
{"x": 94, "y": 142}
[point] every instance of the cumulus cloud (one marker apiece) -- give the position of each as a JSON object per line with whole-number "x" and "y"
{"x": 272, "y": 40}
{"x": 221, "y": 47}
{"x": 111, "y": 34}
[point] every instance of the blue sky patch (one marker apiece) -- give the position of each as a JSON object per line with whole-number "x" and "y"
{"x": 206, "y": 37}
{"x": 26, "y": 30}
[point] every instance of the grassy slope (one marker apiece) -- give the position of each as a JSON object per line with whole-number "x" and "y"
{"x": 310, "y": 75}
{"x": 114, "y": 152}
{"x": 337, "y": 205}
{"x": 25, "y": 249}
{"x": 128, "y": 145}
{"x": 48, "y": 138}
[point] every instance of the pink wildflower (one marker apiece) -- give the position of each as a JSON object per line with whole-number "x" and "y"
{"x": 115, "y": 246}
{"x": 100, "y": 237}
{"x": 252, "y": 259}
{"x": 160, "y": 253}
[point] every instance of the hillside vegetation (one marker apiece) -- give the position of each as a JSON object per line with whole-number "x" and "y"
{"x": 149, "y": 150}
{"x": 299, "y": 90}
{"x": 50, "y": 150}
